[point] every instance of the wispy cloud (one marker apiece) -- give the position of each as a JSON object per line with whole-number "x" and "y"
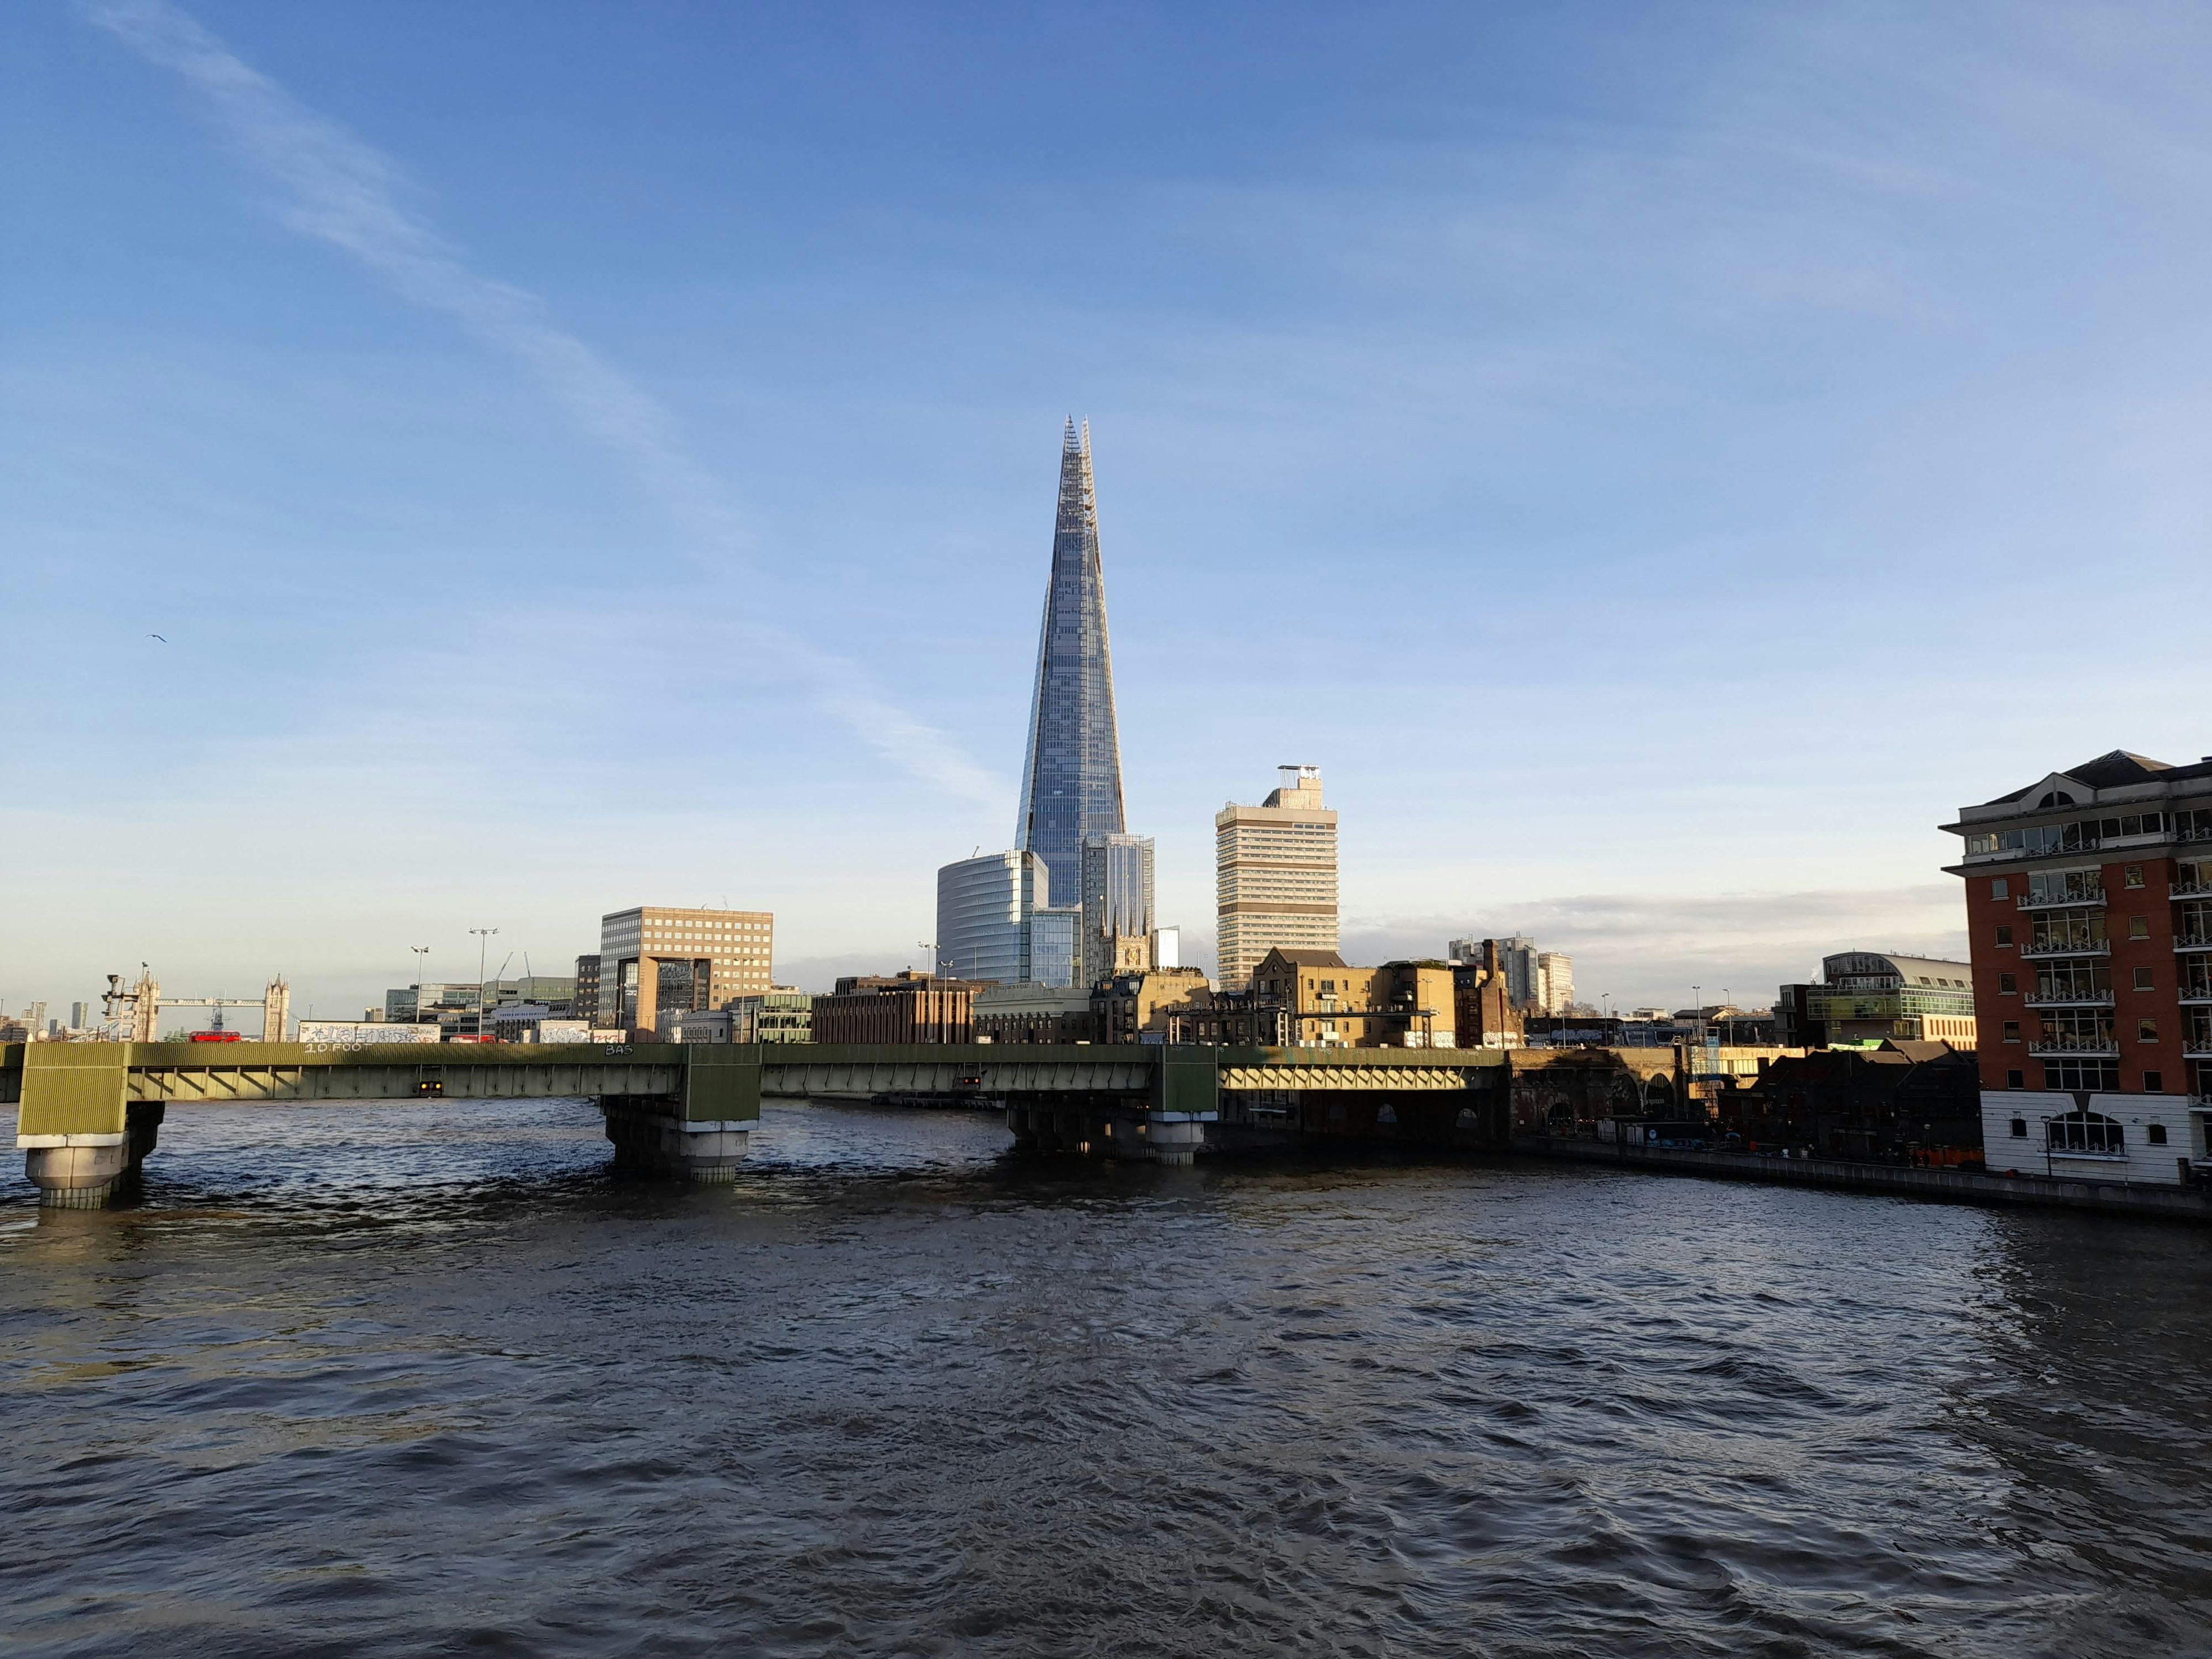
{"x": 1639, "y": 947}
{"x": 341, "y": 192}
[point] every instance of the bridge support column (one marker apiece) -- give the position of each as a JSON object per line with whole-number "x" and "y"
{"x": 699, "y": 1134}
{"x": 649, "y": 1136}
{"x": 82, "y": 1138}
{"x": 90, "y": 1171}
{"x": 1175, "y": 1137}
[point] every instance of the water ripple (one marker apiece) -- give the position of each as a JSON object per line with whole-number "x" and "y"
{"x": 396, "y": 1380}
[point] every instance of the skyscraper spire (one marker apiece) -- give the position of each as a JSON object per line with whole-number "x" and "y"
{"x": 1071, "y": 775}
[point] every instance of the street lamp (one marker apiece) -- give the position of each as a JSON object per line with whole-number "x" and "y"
{"x": 422, "y": 970}
{"x": 483, "y": 944}
{"x": 930, "y": 946}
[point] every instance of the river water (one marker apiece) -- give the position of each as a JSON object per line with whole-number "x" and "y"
{"x": 418, "y": 1378}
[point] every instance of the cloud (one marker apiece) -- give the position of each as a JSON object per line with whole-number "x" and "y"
{"x": 1641, "y": 948}
{"x": 340, "y": 192}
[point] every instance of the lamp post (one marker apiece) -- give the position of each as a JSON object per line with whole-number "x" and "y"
{"x": 483, "y": 944}
{"x": 422, "y": 968}
{"x": 930, "y": 946}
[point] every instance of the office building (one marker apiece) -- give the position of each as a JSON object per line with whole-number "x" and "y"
{"x": 654, "y": 959}
{"x": 1117, "y": 906}
{"x": 585, "y": 1003}
{"x": 1055, "y": 934}
{"x": 2089, "y": 913}
{"x": 983, "y": 910}
{"x": 1555, "y": 982}
{"x": 906, "y": 1007}
{"x": 783, "y": 1014}
{"x": 1867, "y": 997}
{"x": 1071, "y": 774}
{"x": 1274, "y": 876}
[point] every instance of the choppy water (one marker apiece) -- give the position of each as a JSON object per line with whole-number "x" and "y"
{"x": 428, "y": 1378}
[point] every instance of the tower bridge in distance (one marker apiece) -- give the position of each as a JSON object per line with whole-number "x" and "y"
{"x": 89, "y": 1112}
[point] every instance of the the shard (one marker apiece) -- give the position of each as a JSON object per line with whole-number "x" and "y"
{"x": 1072, "y": 776}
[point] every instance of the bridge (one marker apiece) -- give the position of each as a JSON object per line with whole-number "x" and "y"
{"x": 89, "y": 1112}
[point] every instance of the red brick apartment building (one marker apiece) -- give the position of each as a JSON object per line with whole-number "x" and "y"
{"x": 2089, "y": 903}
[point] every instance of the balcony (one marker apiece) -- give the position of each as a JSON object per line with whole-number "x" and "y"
{"x": 2189, "y": 889}
{"x": 2196, "y": 993}
{"x": 2194, "y": 938}
{"x": 2086, "y": 1048}
{"x": 2029, "y": 901}
{"x": 2061, "y": 999}
{"x": 2042, "y": 950}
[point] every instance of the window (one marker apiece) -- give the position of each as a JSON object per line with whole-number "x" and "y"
{"x": 2015, "y": 1080}
{"x": 2020, "y": 1129}
{"x": 2000, "y": 889}
{"x": 2012, "y": 1031}
{"x": 2143, "y": 980}
{"x": 2007, "y": 985}
{"x": 2004, "y": 935}
{"x": 2153, "y": 1083}
{"x": 2138, "y": 926}
{"x": 2133, "y": 875}
{"x": 2087, "y": 1132}
{"x": 2099, "y": 1075}
{"x": 2155, "y": 1134}
{"x": 2146, "y": 1030}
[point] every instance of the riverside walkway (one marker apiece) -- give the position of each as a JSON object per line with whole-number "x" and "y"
{"x": 89, "y": 1114}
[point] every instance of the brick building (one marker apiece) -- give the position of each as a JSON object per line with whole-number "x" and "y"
{"x": 2089, "y": 906}
{"x": 905, "y": 1007}
{"x": 1483, "y": 1013}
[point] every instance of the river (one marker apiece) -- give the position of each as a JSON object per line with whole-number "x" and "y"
{"x": 397, "y": 1380}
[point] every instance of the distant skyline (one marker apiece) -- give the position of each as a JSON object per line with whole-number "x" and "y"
{"x": 575, "y": 457}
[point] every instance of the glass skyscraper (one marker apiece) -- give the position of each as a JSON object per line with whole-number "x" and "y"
{"x": 1071, "y": 775}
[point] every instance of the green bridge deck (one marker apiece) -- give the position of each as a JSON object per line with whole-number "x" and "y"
{"x": 89, "y": 1112}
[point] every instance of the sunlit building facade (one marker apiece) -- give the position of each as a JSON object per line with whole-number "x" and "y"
{"x": 1072, "y": 774}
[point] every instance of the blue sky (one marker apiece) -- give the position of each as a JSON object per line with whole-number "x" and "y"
{"x": 1657, "y": 462}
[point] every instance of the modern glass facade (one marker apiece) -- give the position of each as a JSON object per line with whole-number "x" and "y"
{"x": 1054, "y": 944}
{"x": 1117, "y": 897}
{"x": 1071, "y": 775}
{"x": 983, "y": 907}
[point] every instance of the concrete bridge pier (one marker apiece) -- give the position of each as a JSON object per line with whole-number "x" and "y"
{"x": 650, "y": 1137}
{"x": 1176, "y": 1138}
{"x": 88, "y": 1171}
{"x": 699, "y": 1134}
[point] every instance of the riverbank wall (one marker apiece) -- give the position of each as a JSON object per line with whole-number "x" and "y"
{"x": 1951, "y": 1185}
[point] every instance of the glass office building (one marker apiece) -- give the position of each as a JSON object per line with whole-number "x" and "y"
{"x": 1055, "y": 944}
{"x": 1071, "y": 775}
{"x": 1117, "y": 899}
{"x": 983, "y": 909}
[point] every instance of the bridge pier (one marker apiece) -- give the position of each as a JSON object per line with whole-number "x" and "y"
{"x": 652, "y": 1137}
{"x": 1175, "y": 1137}
{"x": 88, "y": 1171}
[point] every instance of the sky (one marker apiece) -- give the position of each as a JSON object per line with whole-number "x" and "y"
{"x": 1658, "y": 462}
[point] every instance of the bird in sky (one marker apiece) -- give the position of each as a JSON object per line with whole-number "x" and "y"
{"x": 156, "y": 636}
